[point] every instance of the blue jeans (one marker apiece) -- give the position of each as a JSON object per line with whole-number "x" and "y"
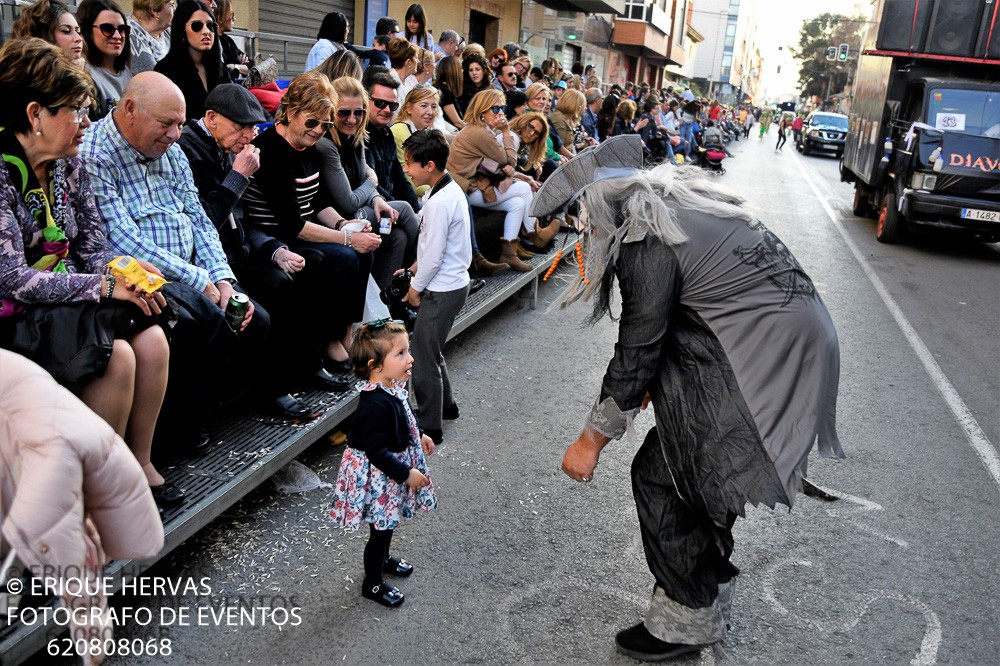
{"x": 687, "y": 133}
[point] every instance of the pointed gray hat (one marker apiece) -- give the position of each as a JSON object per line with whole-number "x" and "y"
{"x": 568, "y": 181}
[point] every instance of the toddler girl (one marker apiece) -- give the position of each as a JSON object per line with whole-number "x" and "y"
{"x": 383, "y": 475}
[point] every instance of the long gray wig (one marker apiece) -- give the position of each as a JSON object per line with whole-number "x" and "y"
{"x": 629, "y": 207}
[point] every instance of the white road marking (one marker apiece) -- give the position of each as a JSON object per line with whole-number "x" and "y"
{"x": 973, "y": 432}
{"x": 929, "y": 645}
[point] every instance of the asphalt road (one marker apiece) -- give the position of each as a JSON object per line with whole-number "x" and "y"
{"x": 522, "y": 565}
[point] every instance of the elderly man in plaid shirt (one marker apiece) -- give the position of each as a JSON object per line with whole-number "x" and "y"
{"x": 148, "y": 201}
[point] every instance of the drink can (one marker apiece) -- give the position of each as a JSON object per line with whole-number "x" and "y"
{"x": 385, "y": 225}
{"x": 236, "y": 310}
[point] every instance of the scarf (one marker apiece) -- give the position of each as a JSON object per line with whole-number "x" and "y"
{"x": 49, "y": 216}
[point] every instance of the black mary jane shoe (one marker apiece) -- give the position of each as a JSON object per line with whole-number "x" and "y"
{"x": 638, "y": 643}
{"x": 167, "y": 495}
{"x": 332, "y": 383}
{"x": 383, "y": 593}
{"x": 396, "y": 566}
{"x": 289, "y": 408}
{"x": 475, "y": 285}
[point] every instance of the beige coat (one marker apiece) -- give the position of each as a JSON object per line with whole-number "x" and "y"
{"x": 58, "y": 461}
{"x": 470, "y": 146}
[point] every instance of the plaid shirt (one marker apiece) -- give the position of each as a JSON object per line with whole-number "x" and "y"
{"x": 150, "y": 208}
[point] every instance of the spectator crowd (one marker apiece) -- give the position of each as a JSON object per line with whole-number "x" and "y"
{"x": 133, "y": 137}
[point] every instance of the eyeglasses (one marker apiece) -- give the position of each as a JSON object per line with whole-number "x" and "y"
{"x": 313, "y": 123}
{"x": 382, "y": 103}
{"x": 347, "y": 113}
{"x": 109, "y": 30}
{"x": 79, "y": 112}
{"x": 511, "y": 74}
{"x": 532, "y": 129}
{"x": 196, "y": 26}
{"x": 496, "y": 108}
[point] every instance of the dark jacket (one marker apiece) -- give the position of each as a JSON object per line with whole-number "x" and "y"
{"x": 220, "y": 189}
{"x": 344, "y": 176}
{"x": 381, "y": 156}
{"x": 380, "y": 428}
{"x": 184, "y": 74}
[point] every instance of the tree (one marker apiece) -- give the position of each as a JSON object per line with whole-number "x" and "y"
{"x": 819, "y": 76}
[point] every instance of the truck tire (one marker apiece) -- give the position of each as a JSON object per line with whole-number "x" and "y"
{"x": 889, "y": 228}
{"x": 806, "y": 148}
{"x": 861, "y": 207}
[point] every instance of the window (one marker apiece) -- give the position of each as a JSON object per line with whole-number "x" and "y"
{"x": 636, "y": 9}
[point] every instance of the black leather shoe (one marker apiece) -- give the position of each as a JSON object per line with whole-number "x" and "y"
{"x": 450, "y": 413}
{"x": 383, "y": 593}
{"x": 167, "y": 496}
{"x": 290, "y": 409}
{"x": 329, "y": 382}
{"x": 476, "y": 285}
{"x": 436, "y": 435}
{"x": 397, "y": 567}
{"x": 638, "y": 643}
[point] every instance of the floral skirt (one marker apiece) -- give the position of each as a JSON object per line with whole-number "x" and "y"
{"x": 365, "y": 494}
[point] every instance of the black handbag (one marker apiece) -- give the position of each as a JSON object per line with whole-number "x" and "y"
{"x": 73, "y": 341}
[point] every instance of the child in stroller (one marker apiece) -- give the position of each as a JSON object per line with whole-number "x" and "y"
{"x": 712, "y": 149}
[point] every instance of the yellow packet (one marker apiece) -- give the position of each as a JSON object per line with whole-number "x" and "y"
{"x": 128, "y": 268}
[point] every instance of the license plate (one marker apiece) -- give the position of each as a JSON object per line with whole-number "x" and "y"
{"x": 983, "y": 215}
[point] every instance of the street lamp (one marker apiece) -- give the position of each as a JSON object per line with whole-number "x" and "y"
{"x": 719, "y": 47}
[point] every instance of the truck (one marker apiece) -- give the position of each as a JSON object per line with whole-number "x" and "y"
{"x": 923, "y": 139}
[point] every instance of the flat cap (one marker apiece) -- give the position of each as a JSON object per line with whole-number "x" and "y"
{"x": 236, "y": 103}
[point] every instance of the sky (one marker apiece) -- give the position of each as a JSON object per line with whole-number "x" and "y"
{"x": 779, "y": 23}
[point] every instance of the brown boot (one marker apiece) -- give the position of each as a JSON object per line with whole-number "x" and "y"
{"x": 540, "y": 237}
{"x": 521, "y": 251}
{"x": 483, "y": 267}
{"x": 508, "y": 255}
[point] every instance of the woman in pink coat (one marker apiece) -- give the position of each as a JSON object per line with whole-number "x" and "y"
{"x": 71, "y": 492}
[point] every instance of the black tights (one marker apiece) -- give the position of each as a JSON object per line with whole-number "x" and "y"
{"x": 376, "y": 553}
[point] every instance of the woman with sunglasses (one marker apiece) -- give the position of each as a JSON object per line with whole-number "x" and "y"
{"x": 485, "y": 120}
{"x": 52, "y": 21}
{"x": 540, "y": 101}
{"x": 53, "y": 252}
{"x": 150, "y": 24}
{"x": 531, "y": 130}
{"x": 284, "y": 200}
{"x": 109, "y": 52}
{"x": 194, "y": 62}
{"x": 349, "y": 184}
{"x": 449, "y": 84}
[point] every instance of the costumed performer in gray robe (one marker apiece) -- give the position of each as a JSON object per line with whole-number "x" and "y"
{"x": 725, "y": 334}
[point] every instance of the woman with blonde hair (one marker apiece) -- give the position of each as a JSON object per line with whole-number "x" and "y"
{"x": 52, "y": 21}
{"x": 449, "y": 84}
{"x": 232, "y": 57}
{"x": 566, "y": 119}
{"x": 341, "y": 63}
{"x": 283, "y": 200}
{"x": 484, "y": 169}
{"x": 350, "y": 185}
{"x": 403, "y": 57}
{"x": 540, "y": 101}
{"x": 530, "y": 130}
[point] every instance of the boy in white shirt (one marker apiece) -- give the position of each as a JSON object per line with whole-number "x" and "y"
{"x": 441, "y": 278}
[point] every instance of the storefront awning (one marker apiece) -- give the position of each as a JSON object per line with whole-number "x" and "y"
{"x": 586, "y": 6}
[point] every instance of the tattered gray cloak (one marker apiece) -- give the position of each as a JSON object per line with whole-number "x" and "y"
{"x": 727, "y": 333}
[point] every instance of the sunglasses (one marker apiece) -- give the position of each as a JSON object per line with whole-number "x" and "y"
{"x": 347, "y": 113}
{"x": 196, "y": 26}
{"x": 313, "y": 123}
{"x": 496, "y": 108}
{"x": 383, "y": 103}
{"x": 382, "y": 323}
{"x": 109, "y": 30}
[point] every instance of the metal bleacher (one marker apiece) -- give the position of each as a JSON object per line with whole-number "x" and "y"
{"x": 249, "y": 446}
